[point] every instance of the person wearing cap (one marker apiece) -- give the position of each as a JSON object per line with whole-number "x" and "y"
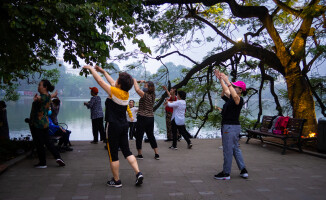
{"x": 96, "y": 115}
{"x": 231, "y": 127}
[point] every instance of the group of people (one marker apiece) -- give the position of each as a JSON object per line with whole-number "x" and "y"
{"x": 119, "y": 111}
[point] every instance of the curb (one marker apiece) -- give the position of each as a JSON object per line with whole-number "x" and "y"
{"x": 312, "y": 153}
{"x": 12, "y": 162}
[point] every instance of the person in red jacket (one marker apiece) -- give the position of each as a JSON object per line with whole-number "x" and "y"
{"x": 168, "y": 113}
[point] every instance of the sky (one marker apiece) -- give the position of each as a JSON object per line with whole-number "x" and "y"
{"x": 196, "y": 53}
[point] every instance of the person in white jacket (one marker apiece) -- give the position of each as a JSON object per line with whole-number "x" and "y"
{"x": 178, "y": 119}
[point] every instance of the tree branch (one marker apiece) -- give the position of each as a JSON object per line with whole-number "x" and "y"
{"x": 168, "y": 54}
{"x": 262, "y": 54}
{"x": 261, "y": 12}
{"x": 287, "y": 8}
{"x": 321, "y": 104}
{"x": 194, "y": 15}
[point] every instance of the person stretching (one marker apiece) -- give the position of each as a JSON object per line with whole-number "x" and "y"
{"x": 231, "y": 127}
{"x": 115, "y": 114}
{"x": 145, "y": 117}
{"x": 178, "y": 119}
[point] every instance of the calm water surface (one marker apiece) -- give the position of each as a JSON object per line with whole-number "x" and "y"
{"x": 77, "y": 117}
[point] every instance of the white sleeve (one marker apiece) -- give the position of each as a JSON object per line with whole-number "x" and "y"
{"x": 173, "y": 104}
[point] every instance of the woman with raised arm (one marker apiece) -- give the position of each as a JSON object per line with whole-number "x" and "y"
{"x": 145, "y": 117}
{"x": 117, "y": 126}
{"x": 168, "y": 112}
{"x": 231, "y": 127}
{"x": 39, "y": 124}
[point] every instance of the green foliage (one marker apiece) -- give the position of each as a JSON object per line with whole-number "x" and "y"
{"x": 52, "y": 75}
{"x": 10, "y": 92}
{"x": 319, "y": 84}
{"x": 32, "y": 31}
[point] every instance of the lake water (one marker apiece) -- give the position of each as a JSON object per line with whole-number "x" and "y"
{"x": 77, "y": 117}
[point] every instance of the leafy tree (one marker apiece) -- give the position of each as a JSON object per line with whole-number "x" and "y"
{"x": 33, "y": 30}
{"x": 283, "y": 39}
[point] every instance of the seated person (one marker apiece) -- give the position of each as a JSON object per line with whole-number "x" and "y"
{"x": 56, "y": 130}
{"x": 55, "y": 107}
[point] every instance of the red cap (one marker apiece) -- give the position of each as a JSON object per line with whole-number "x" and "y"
{"x": 94, "y": 89}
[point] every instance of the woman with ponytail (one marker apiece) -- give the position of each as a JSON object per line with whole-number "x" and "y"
{"x": 145, "y": 117}
{"x": 39, "y": 124}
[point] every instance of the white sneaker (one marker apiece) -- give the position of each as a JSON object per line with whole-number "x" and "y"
{"x": 60, "y": 162}
{"x": 244, "y": 173}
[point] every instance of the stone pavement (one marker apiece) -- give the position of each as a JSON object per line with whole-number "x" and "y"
{"x": 181, "y": 174}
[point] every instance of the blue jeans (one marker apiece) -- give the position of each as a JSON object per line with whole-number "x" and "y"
{"x": 230, "y": 138}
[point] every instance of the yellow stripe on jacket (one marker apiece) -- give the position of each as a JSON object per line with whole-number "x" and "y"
{"x": 121, "y": 97}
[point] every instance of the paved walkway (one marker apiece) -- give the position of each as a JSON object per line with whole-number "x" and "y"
{"x": 181, "y": 174}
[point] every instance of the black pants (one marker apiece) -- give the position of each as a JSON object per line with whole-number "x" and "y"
{"x": 97, "y": 126}
{"x": 132, "y": 129}
{"x": 182, "y": 130}
{"x": 117, "y": 137}
{"x": 64, "y": 137}
{"x": 40, "y": 138}
{"x": 145, "y": 124}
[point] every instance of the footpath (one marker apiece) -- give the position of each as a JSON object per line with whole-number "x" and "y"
{"x": 179, "y": 174}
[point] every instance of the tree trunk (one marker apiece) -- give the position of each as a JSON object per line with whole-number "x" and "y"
{"x": 301, "y": 98}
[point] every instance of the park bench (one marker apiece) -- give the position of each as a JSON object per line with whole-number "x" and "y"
{"x": 53, "y": 139}
{"x": 294, "y": 128}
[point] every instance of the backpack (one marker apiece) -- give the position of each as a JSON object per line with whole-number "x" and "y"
{"x": 280, "y": 125}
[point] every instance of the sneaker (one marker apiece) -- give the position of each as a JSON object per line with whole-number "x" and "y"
{"x": 93, "y": 142}
{"x": 139, "y": 178}
{"x": 39, "y": 166}
{"x": 60, "y": 162}
{"x": 157, "y": 157}
{"x": 189, "y": 146}
{"x": 174, "y": 148}
{"x": 114, "y": 183}
{"x": 68, "y": 148}
{"x": 139, "y": 157}
{"x": 222, "y": 176}
{"x": 244, "y": 173}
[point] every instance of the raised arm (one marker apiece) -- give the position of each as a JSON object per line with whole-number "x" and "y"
{"x": 225, "y": 89}
{"x": 167, "y": 91}
{"x": 234, "y": 94}
{"x": 99, "y": 79}
{"x": 137, "y": 88}
{"x": 106, "y": 75}
{"x": 54, "y": 94}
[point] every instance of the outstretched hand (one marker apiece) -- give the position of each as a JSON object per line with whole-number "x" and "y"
{"x": 55, "y": 94}
{"x": 99, "y": 69}
{"x": 224, "y": 77}
{"x": 217, "y": 74}
{"x": 87, "y": 67}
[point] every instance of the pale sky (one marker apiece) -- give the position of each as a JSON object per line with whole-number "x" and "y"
{"x": 196, "y": 53}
